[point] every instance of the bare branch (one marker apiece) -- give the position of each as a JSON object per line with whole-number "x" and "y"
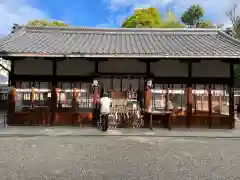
{"x": 235, "y": 19}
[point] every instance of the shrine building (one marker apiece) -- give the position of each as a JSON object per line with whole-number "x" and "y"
{"x": 59, "y": 73}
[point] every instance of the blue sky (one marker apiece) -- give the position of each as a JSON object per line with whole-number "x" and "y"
{"x": 100, "y": 13}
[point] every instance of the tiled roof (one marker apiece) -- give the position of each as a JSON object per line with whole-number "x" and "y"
{"x": 121, "y": 42}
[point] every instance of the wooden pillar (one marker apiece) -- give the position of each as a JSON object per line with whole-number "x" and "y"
{"x": 11, "y": 95}
{"x": 231, "y": 98}
{"x": 209, "y": 106}
{"x": 54, "y": 93}
{"x": 9, "y": 79}
{"x": 189, "y": 96}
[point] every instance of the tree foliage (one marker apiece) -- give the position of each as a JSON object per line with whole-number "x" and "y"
{"x": 192, "y": 16}
{"x": 46, "y": 23}
{"x": 143, "y": 18}
{"x": 151, "y": 18}
{"x": 204, "y": 24}
{"x": 171, "y": 21}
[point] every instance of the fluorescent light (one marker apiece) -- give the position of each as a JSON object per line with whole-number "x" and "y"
{"x": 48, "y": 90}
{"x": 177, "y": 91}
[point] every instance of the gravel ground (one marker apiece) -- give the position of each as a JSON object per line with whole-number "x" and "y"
{"x": 80, "y": 158}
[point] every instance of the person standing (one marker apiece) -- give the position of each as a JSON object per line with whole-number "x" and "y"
{"x": 106, "y": 103}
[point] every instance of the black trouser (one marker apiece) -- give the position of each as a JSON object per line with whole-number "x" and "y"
{"x": 104, "y": 118}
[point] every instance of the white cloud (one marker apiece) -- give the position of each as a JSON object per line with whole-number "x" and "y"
{"x": 215, "y": 10}
{"x": 114, "y": 21}
{"x": 118, "y": 4}
{"x": 17, "y": 11}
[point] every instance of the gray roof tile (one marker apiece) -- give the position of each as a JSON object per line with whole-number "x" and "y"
{"x": 103, "y": 42}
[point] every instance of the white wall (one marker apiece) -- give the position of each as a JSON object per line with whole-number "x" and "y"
{"x": 169, "y": 68}
{"x": 33, "y": 67}
{"x": 75, "y": 67}
{"x": 211, "y": 68}
{"x": 122, "y": 66}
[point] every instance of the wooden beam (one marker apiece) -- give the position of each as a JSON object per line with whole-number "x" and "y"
{"x": 12, "y": 74}
{"x": 53, "y": 92}
{"x": 96, "y": 59}
{"x": 2, "y": 66}
{"x": 190, "y": 60}
{"x": 149, "y": 60}
{"x": 231, "y": 61}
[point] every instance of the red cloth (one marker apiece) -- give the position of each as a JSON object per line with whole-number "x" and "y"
{"x": 96, "y": 97}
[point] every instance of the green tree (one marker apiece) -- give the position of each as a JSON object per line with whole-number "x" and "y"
{"x": 193, "y": 15}
{"x": 143, "y": 18}
{"x": 204, "y": 24}
{"x": 46, "y": 23}
{"x": 171, "y": 21}
{"x": 208, "y": 24}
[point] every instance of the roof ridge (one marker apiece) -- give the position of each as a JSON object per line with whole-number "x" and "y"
{"x": 119, "y": 30}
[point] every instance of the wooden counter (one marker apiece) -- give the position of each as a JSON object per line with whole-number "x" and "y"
{"x": 200, "y": 119}
{"x": 40, "y": 115}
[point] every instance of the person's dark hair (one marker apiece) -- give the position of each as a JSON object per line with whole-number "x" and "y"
{"x": 105, "y": 94}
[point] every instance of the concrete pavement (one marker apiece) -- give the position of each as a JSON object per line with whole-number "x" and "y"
{"x": 118, "y": 158}
{"x": 78, "y": 131}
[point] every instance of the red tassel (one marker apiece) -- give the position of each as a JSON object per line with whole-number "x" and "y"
{"x": 57, "y": 93}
